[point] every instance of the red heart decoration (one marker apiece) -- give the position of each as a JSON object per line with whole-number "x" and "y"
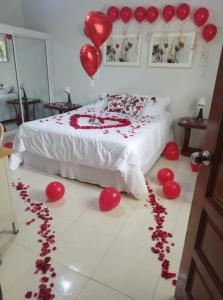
{"x": 109, "y": 199}
{"x": 98, "y": 27}
{"x": 121, "y": 122}
{"x": 91, "y": 58}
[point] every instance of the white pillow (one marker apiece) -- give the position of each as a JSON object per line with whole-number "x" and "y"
{"x": 5, "y": 89}
{"x": 155, "y": 106}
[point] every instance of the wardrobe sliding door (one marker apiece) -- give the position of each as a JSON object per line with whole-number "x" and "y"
{"x": 32, "y": 66}
{"x": 10, "y": 108}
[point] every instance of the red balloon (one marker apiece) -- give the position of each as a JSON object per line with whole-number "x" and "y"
{"x": 8, "y": 36}
{"x": 171, "y": 189}
{"x": 152, "y": 14}
{"x": 201, "y": 16}
{"x": 183, "y": 11}
{"x": 8, "y": 145}
{"x": 171, "y": 151}
{"x": 168, "y": 13}
{"x": 113, "y": 13}
{"x": 139, "y": 14}
{"x": 98, "y": 27}
{"x": 209, "y": 32}
{"x": 164, "y": 175}
{"x": 109, "y": 199}
{"x": 55, "y": 191}
{"x": 91, "y": 58}
{"x": 126, "y": 14}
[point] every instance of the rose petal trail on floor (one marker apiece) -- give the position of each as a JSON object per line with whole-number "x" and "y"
{"x": 46, "y": 237}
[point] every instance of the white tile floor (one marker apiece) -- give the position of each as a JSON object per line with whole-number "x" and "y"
{"x": 99, "y": 255}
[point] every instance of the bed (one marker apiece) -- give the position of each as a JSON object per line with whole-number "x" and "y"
{"x": 117, "y": 156}
{"x": 6, "y": 112}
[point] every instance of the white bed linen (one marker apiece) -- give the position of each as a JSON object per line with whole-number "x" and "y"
{"x": 6, "y": 110}
{"x": 129, "y": 157}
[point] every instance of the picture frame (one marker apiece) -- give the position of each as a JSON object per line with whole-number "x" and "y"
{"x": 123, "y": 50}
{"x": 3, "y": 50}
{"x": 171, "y": 50}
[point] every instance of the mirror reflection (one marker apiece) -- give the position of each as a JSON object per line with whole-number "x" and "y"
{"x": 9, "y": 117}
{"x": 33, "y": 76}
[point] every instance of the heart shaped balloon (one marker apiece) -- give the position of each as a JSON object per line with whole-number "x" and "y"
{"x": 109, "y": 199}
{"x": 98, "y": 27}
{"x": 91, "y": 58}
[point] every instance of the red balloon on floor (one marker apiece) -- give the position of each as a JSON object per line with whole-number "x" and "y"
{"x": 164, "y": 175}
{"x": 109, "y": 199}
{"x": 171, "y": 189}
{"x": 171, "y": 151}
{"x": 55, "y": 191}
{"x": 8, "y": 145}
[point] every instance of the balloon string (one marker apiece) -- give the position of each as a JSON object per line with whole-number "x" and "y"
{"x": 150, "y": 33}
{"x": 206, "y": 58}
{"x": 195, "y": 45}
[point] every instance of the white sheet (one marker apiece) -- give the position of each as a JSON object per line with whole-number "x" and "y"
{"x": 55, "y": 139}
{"x": 6, "y": 110}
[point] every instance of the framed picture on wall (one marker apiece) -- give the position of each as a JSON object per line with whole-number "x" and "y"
{"x": 171, "y": 50}
{"x": 123, "y": 50}
{"x": 3, "y": 50}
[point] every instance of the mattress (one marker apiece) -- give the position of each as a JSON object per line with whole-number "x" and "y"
{"x": 128, "y": 151}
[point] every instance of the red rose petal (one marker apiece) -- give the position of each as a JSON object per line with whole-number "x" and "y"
{"x": 28, "y": 295}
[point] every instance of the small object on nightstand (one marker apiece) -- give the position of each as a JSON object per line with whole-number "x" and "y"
{"x": 201, "y": 106}
{"x": 188, "y": 124}
{"x": 67, "y": 91}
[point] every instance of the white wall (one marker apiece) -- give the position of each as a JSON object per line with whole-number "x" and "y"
{"x": 63, "y": 20}
{"x": 11, "y": 12}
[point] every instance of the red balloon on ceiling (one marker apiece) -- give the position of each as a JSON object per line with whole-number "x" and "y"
{"x": 183, "y": 11}
{"x": 152, "y": 14}
{"x": 126, "y": 14}
{"x": 171, "y": 189}
{"x": 91, "y": 58}
{"x": 164, "y": 175}
{"x": 209, "y": 32}
{"x": 109, "y": 199}
{"x": 113, "y": 13}
{"x": 201, "y": 16}
{"x": 139, "y": 14}
{"x": 55, "y": 191}
{"x": 168, "y": 13}
{"x": 97, "y": 27}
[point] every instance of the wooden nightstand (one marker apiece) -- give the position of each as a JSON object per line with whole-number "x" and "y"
{"x": 26, "y": 104}
{"x": 62, "y": 107}
{"x": 188, "y": 124}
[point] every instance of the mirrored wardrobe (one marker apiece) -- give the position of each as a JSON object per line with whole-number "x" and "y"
{"x": 25, "y": 85}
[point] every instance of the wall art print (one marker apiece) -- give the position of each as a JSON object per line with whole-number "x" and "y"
{"x": 171, "y": 50}
{"x": 3, "y": 50}
{"x": 123, "y": 50}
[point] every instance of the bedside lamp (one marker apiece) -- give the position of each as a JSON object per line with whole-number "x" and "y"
{"x": 24, "y": 92}
{"x": 201, "y": 105}
{"x": 67, "y": 91}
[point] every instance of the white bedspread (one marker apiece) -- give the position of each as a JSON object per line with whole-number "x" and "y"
{"x": 6, "y": 110}
{"x": 131, "y": 150}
